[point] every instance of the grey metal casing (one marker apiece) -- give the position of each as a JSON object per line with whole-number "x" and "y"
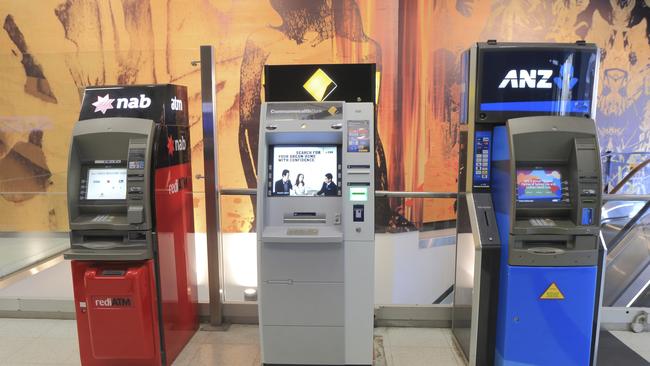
{"x": 113, "y": 229}
{"x": 568, "y": 143}
{"x": 316, "y": 273}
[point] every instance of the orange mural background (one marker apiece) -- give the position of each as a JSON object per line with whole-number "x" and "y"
{"x": 50, "y": 52}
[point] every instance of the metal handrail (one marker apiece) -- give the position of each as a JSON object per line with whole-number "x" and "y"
{"x": 611, "y": 153}
{"x": 411, "y": 194}
{"x": 629, "y": 176}
{"x": 626, "y": 197}
{"x": 238, "y": 191}
{"x": 392, "y": 194}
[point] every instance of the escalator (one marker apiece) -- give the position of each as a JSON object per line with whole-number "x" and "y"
{"x": 626, "y": 232}
{"x": 625, "y": 229}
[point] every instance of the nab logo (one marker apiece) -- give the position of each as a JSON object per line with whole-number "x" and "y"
{"x": 113, "y": 302}
{"x": 177, "y": 104}
{"x": 175, "y": 145}
{"x": 527, "y": 79}
{"x": 106, "y": 102}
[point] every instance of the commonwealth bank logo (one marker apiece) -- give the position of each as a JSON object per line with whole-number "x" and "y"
{"x": 320, "y": 85}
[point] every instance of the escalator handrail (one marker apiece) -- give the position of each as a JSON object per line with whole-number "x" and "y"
{"x": 611, "y": 247}
{"x": 629, "y": 176}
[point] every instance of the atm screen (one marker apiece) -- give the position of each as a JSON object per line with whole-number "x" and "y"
{"x": 106, "y": 184}
{"x": 311, "y": 170}
{"x": 518, "y": 82}
{"x": 539, "y": 185}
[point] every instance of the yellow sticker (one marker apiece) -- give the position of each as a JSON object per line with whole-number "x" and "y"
{"x": 552, "y": 293}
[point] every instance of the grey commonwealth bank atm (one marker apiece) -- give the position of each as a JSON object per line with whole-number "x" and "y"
{"x": 315, "y": 225}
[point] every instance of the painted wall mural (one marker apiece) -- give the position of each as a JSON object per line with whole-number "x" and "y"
{"x": 50, "y": 52}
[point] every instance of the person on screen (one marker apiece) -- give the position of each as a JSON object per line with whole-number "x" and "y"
{"x": 283, "y": 186}
{"x": 329, "y": 188}
{"x": 299, "y": 187}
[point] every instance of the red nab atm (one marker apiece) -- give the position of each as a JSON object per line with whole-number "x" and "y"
{"x": 131, "y": 225}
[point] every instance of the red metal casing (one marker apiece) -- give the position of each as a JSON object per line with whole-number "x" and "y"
{"x": 144, "y": 312}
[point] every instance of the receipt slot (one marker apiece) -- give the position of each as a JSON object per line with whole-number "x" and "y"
{"x": 315, "y": 210}
{"x": 131, "y": 225}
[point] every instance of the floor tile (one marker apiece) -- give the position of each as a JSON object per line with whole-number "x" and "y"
{"x": 233, "y": 354}
{"x": 423, "y": 356}
{"x": 419, "y": 337}
{"x": 10, "y": 346}
{"x": 187, "y": 355}
{"x": 236, "y": 334}
{"x": 25, "y": 328}
{"x": 61, "y": 329}
{"x": 46, "y": 350}
{"x": 638, "y": 342}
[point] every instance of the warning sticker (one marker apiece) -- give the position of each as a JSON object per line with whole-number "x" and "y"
{"x": 552, "y": 293}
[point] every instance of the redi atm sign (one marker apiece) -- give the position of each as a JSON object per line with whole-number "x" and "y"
{"x": 104, "y": 302}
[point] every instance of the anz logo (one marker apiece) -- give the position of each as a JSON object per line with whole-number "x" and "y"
{"x": 539, "y": 79}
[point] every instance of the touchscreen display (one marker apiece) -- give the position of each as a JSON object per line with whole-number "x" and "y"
{"x": 304, "y": 171}
{"x": 106, "y": 184}
{"x": 535, "y": 185}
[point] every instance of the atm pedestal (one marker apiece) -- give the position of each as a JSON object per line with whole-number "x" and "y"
{"x": 110, "y": 294}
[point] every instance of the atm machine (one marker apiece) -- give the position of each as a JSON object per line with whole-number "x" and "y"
{"x": 315, "y": 225}
{"x": 131, "y": 225}
{"x": 529, "y": 260}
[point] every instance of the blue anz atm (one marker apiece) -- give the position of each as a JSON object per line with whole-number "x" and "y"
{"x": 529, "y": 258}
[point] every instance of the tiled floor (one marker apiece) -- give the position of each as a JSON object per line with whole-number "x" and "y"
{"x": 54, "y": 342}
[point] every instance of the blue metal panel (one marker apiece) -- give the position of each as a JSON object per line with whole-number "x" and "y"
{"x": 536, "y": 331}
{"x": 501, "y": 199}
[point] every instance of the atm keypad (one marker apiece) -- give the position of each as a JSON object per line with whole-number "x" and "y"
{"x": 541, "y": 222}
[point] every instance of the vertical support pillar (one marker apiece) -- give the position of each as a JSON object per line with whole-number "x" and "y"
{"x": 212, "y": 199}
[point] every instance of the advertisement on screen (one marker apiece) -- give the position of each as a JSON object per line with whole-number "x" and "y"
{"x": 304, "y": 171}
{"x": 534, "y": 185}
{"x": 106, "y": 184}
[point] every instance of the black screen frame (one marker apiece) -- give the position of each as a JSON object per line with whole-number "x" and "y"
{"x": 501, "y": 116}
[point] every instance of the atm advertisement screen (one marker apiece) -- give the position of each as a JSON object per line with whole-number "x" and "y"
{"x": 534, "y": 81}
{"x": 106, "y": 184}
{"x": 539, "y": 185}
{"x": 304, "y": 171}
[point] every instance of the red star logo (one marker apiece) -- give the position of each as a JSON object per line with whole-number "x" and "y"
{"x": 170, "y": 146}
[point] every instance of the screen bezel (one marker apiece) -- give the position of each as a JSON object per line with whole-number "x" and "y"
{"x": 270, "y": 165}
{"x": 500, "y": 116}
{"x": 544, "y": 203}
{"x": 85, "y": 168}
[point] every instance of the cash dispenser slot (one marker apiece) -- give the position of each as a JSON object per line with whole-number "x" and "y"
{"x": 304, "y": 218}
{"x": 553, "y": 250}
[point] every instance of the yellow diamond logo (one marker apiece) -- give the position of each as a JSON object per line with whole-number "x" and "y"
{"x": 320, "y": 85}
